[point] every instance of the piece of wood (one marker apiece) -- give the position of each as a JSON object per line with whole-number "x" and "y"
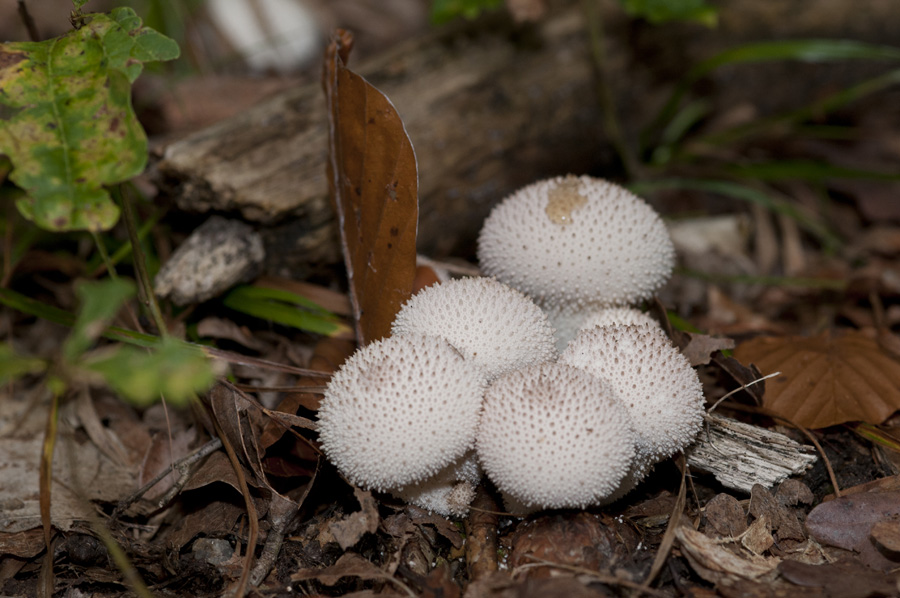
{"x": 740, "y": 455}
{"x": 491, "y": 106}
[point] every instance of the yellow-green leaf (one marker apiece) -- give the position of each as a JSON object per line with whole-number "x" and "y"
{"x": 66, "y": 120}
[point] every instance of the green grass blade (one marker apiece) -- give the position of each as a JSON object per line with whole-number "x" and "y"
{"x": 804, "y": 50}
{"x": 807, "y": 170}
{"x": 53, "y": 314}
{"x": 742, "y": 192}
{"x": 814, "y": 109}
{"x": 829, "y": 284}
{"x": 286, "y": 308}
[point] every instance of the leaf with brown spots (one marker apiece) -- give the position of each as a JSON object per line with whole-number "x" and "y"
{"x": 373, "y": 180}
{"x": 828, "y": 379}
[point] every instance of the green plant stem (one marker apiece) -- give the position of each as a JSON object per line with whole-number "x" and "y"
{"x": 607, "y": 103}
{"x": 145, "y": 285}
{"x": 104, "y": 255}
{"x": 122, "y": 252}
{"x": 29, "y": 22}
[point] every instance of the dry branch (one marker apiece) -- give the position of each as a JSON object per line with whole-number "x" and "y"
{"x": 740, "y": 455}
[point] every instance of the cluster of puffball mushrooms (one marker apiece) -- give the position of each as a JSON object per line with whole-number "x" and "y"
{"x": 541, "y": 375}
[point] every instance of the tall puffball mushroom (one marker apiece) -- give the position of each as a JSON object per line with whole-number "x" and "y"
{"x": 574, "y": 244}
{"x": 553, "y": 436}
{"x": 399, "y": 410}
{"x": 489, "y": 323}
{"x": 654, "y": 381}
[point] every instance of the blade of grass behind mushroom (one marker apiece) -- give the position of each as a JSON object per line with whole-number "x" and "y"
{"x": 805, "y": 50}
{"x": 768, "y": 198}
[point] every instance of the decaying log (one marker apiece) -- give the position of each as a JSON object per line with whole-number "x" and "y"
{"x": 491, "y": 106}
{"x": 740, "y": 455}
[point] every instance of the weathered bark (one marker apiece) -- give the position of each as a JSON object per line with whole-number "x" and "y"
{"x": 491, "y": 107}
{"x": 740, "y": 455}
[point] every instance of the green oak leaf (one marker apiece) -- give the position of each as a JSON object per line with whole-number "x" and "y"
{"x": 66, "y": 120}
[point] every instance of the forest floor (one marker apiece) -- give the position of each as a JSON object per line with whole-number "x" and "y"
{"x": 831, "y": 530}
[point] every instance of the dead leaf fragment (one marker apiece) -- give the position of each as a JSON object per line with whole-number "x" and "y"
{"x": 846, "y": 579}
{"x": 847, "y": 523}
{"x": 350, "y": 530}
{"x": 886, "y": 534}
{"x": 725, "y": 515}
{"x": 700, "y": 347}
{"x": 349, "y": 565}
{"x": 828, "y": 379}
{"x": 373, "y": 180}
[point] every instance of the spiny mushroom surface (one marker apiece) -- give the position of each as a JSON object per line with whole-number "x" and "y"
{"x": 553, "y": 436}
{"x": 569, "y": 320}
{"x": 577, "y": 240}
{"x": 655, "y": 382}
{"x": 489, "y": 323}
{"x": 617, "y": 316}
{"x": 399, "y": 410}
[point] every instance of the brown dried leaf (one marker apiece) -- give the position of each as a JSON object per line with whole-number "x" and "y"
{"x": 847, "y": 522}
{"x": 373, "y": 180}
{"x": 725, "y": 516}
{"x": 826, "y": 380}
{"x": 845, "y": 579}
{"x": 349, "y": 565}
{"x": 700, "y": 347}
{"x": 350, "y": 530}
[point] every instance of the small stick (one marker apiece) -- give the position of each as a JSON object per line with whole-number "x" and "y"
{"x": 29, "y": 22}
{"x": 181, "y": 465}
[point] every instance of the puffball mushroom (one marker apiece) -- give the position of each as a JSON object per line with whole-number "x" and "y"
{"x": 574, "y": 244}
{"x": 617, "y": 316}
{"x": 399, "y": 410}
{"x": 553, "y": 436}
{"x": 489, "y": 323}
{"x": 654, "y": 381}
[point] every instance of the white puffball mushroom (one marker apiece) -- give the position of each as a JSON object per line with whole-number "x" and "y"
{"x": 569, "y": 320}
{"x": 656, "y": 383}
{"x": 399, "y": 410}
{"x": 617, "y": 316}
{"x": 577, "y": 241}
{"x": 489, "y": 323}
{"x": 553, "y": 436}
{"x": 448, "y": 492}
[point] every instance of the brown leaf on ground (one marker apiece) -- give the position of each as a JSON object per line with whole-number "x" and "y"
{"x": 847, "y": 523}
{"x": 350, "y": 530}
{"x": 373, "y": 180}
{"x": 725, "y": 516}
{"x": 349, "y": 565}
{"x": 827, "y": 379}
{"x": 700, "y": 347}
{"x": 846, "y": 579}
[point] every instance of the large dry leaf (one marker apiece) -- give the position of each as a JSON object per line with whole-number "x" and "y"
{"x": 847, "y": 523}
{"x": 828, "y": 379}
{"x": 373, "y": 180}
